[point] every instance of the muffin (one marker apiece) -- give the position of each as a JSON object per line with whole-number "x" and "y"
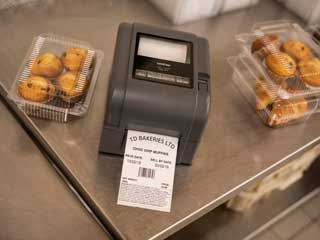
{"x": 71, "y": 86}
{"x": 36, "y": 88}
{"x": 287, "y": 110}
{"x": 266, "y": 45}
{"x": 280, "y": 66}
{"x": 47, "y": 65}
{"x": 73, "y": 58}
{"x": 264, "y": 96}
{"x": 310, "y": 71}
{"x": 296, "y": 49}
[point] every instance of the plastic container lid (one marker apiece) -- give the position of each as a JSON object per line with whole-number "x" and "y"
{"x": 57, "y": 78}
{"x": 275, "y": 34}
{"x": 273, "y": 110}
{"x": 278, "y": 72}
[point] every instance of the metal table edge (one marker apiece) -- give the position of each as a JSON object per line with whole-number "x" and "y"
{"x": 97, "y": 210}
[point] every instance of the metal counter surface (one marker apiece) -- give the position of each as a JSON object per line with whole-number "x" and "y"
{"x": 35, "y": 203}
{"x": 236, "y": 149}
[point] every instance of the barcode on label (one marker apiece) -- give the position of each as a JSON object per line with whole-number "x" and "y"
{"x": 146, "y": 172}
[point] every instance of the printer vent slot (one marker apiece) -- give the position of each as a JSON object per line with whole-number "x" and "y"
{"x": 203, "y": 77}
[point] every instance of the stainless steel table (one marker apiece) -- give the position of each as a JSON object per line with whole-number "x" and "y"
{"x": 35, "y": 203}
{"x": 236, "y": 150}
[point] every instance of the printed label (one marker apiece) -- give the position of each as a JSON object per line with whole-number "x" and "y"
{"x": 148, "y": 171}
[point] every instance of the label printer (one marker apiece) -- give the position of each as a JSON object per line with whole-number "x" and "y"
{"x": 160, "y": 83}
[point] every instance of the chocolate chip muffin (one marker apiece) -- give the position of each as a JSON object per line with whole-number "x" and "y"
{"x": 296, "y": 49}
{"x": 47, "y": 65}
{"x": 36, "y": 88}
{"x": 71, "y": 86}
{"x": 265, "y": 45}
{"x": 310, "y": 71}
{"x": 73, "y": 58}
{"x": 280, "y": 66}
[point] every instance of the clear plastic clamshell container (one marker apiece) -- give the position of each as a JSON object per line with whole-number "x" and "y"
{"x": 57, "y": 78}
{"x": 277, "y": 72}
{"x": 273, "y": 110}
{"x": 284, "y": 31}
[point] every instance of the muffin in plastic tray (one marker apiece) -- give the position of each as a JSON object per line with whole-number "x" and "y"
{"x": 57, "y": 78}
{"x": 264, "y": 97}
{"x": 286, "y": 55}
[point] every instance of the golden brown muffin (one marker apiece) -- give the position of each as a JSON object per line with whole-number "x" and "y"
{"x": 71, "y": 87}
{"x": 36, "y": 88}
{"x": 296, "y": 49}
{"x": 73, "y": 58}
{"x": 47, "y": 65}
{"x": 281, "y": 64}
{"x": 286, "y": 110}
{"x": 264, "y": 96}
{"x": 310, "y": 71}
{"x": 269, "y": 43}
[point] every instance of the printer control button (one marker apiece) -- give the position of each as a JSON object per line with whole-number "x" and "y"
{"x": 154, "y": 75}
{"x": 167, "y": 78}
{"x": 183, "y": 81}
{"x": 141, "y": 73}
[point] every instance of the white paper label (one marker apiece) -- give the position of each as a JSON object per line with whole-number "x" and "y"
{"x": 148, "y": 171}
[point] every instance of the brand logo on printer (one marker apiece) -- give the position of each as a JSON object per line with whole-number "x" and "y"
{"x": 163, "y": 64}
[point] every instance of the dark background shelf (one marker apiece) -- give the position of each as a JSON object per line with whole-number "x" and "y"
{"x": 224, "y": 224}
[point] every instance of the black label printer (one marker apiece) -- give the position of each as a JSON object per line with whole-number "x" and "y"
{"x": 160, "y": 83}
